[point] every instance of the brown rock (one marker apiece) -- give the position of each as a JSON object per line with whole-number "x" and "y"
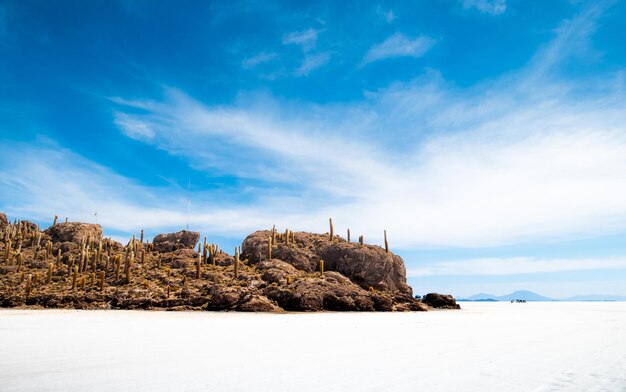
{"x": 4, "y": 222}
{"x": 368, "y": 265}
{"x": 74, "y": 232}
{"x": 440, "y": 301}
{"x": 30, "y": 225}
{"x": 313, "y": 294}
{"x": 173, "y": 241}
{"x": 258, "y": 303}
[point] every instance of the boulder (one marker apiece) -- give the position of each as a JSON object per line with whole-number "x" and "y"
{"x": 30, "y": 225}
{"x": 368, "y": 266}
{"x": 4, "y": 222}
{"x": 313, "y": 294}
{"x": 258, "y": 303}
{"x": 173, "y": 241}
{"x": 74, "y": 232}
{"x": 440, "y": 301}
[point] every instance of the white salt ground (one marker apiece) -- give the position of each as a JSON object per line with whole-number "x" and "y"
{"x": 485, "y": 347}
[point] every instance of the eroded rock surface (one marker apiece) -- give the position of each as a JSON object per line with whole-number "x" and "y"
{"x": 440, "y": 301}
{"x": 74, "y": 232}
{"x": 368, "y": 266}
{"x": 173, "y": 241}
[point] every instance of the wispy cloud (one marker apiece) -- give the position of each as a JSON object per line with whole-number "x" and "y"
{"x": 399, "y": 45}
{"x": 515, "y": 266}
{"x": 305, "y": 38}
{"x": 259, "y": 58}
{"x": 493, "y": 7}
{"x": 132, "y": 127}
{"x": 529, "y": 157}
{"x": 388, "y": 15}
{"x": 312, "y": 62}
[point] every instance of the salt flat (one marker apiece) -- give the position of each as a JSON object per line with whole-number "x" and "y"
{"x": 484, "y": 347}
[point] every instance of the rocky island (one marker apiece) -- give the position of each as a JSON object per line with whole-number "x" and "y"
{"x": 71, "y": 265}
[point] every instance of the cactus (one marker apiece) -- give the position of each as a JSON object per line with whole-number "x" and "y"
{"x": 7, "y": 251}
{"x": 236, "y": 262}
{"x": 118, "y": 265}
{"x": 386, "y": 243}
{"x": 321, "y": 267}
{"x": 348, "y": 234}
{"x": 198, "y": 266}
{"x": 74, "y": 277}
{"x": 141, "y": 240}
{"x": 83, "y": 280}
{"x": 59, "y": 256}
{"x": 92, "y": 279}
{"x": 29, "y": 285}
{"x": 143, "y": 256}
{"x": 49, "y": 275}
{"x": 102, "y": 280}
{"x": 361, "y": 240}
{"x": 269, "y": 248}
{"x": 332, "y": 230}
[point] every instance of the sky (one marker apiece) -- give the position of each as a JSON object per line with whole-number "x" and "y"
{"x": 488, "y": 137}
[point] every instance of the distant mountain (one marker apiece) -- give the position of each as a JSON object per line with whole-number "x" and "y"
{"x": 482, "y": 297}
{"x": 596, "y": 297}
{"x": 530, "y": 296}
{"x": 523, "y": 294}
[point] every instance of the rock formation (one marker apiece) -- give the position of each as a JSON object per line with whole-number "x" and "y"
{"x": 4, "y": 222}
{"x": 365, "y": 265}
{"x": 173, "y": 241}
{"x": 440, "y": 301}
{"x": 75, "y": 232}
{"x": 70, "y": 265}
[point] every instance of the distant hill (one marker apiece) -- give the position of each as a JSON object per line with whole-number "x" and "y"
{"x": 596, "y": 297}
{"x": 531, "y": 296}
{"x": 523, "y": 294}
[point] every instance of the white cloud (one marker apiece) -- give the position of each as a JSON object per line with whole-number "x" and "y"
{"x": 526, "y": 158}
{"x": 305, "y": 38}
{"x": 133, "y": 128}
{"x": 389, "y": 16}
{"x": 399, "y": 45}
{"x": 515, "y": 266}
{"x": 312, "y": 62}
{"x": 493, "y": 7}
{"x": 259, "y": 58}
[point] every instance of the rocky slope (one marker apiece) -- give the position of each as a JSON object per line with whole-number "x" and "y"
{"x": 70, "y": 265}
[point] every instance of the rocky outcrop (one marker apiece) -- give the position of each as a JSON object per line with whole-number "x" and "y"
{"x": 368, "y": 266}
{"x": 169, "y": 273}
{"x": 440, "y": 301}
{"x": 74, "y": 232}
{"x": 173, "y": 241}
{"x": 3, "y": 220}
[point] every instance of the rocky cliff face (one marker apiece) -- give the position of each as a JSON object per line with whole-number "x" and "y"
{"x": 366, "y": 265}
{"x": 70, "y": 265}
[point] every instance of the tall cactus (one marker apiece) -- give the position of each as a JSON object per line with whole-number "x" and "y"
{"x": 332, "y": 229}
{"x": 386, "y": 243}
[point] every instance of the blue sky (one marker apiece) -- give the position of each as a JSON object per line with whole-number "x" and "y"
{"x": 487, "y": 136}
